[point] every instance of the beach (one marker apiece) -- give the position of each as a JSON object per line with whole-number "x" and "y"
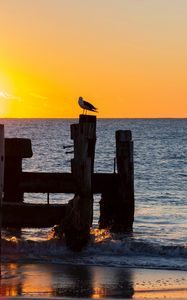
{"x": 54, "y": 280}
{"x": 93, "y": 149}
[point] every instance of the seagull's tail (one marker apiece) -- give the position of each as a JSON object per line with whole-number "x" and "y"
{"x": 95, "y": 110}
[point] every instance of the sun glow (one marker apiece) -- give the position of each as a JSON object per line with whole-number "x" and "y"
{"x": 46, "y": 64}
{"x": 3, "y": 95}
{"x": 8, "y": 93}
{"x": 4, "y": 104}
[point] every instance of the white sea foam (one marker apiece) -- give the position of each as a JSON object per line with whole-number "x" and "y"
{"x": 112, "y": 251}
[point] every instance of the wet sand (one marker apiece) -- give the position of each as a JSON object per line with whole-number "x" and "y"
{"x": 53, "y": 280}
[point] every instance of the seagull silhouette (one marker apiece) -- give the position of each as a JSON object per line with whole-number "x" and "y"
{"x": 86, "y": 105}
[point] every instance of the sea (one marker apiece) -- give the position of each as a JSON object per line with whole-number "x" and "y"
{"x": 159, "y": 238}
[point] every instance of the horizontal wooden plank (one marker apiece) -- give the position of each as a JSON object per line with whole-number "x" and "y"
{"x": 18, "y": 147}
{"x": 33, "y": 182}
{"x": 17, "y": 215}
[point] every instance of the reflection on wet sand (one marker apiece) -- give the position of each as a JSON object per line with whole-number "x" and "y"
{"x": 10, "y": 283}
{"x": 96, "y": 282}
{"x": 162, "y": 294}
{"x": 90, "y": 281}
{"x": 69, "y": 281}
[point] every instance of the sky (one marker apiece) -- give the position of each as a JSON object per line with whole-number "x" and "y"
{"x": 127, "y": 57}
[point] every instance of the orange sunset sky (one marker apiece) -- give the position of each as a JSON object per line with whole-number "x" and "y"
{"x": 127, "y": 57}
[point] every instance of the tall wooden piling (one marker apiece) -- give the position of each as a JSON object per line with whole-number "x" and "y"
{"x": 117, "y": 201}
{"x": 77, "y": 225}
{"x": 124, "y": 215}
{"x": 1, "y": 167}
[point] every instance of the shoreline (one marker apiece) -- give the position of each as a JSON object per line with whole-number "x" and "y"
{"x": 75, "y": 281}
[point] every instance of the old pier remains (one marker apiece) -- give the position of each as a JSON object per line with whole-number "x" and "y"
{"x": 75, "y": 217}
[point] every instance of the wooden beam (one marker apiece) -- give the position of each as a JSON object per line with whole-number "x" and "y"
{"x": 33, "y": 182}
{"x": 20, "y": 215}
{"x": 18, "y": 147}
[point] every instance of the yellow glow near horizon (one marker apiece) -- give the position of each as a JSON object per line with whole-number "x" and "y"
{"x": 128, "y": 58}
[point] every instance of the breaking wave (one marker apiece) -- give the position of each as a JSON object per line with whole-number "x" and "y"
{"x": 103, "y": 249}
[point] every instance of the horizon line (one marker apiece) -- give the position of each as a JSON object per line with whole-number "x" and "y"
{"x": 59, "y": 118}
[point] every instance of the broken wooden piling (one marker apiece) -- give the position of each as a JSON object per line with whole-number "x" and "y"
{"x": 125, "y": 169}
{"x": 117, "y": 203}
{"x": 76, "y": 226}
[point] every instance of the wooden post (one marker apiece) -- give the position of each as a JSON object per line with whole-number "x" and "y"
{"x": 77, "y": 225}
{"x": 124, "y": 215}
{"x": 15, "y": 150}
{"x": 108, "y": 207}
{"x": 1, "y": 168}
{"x": 91, "y": 124}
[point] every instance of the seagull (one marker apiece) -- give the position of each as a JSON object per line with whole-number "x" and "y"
{"x": 86, "y": 105}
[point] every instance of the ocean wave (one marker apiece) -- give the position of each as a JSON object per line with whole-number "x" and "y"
{"x": 103, "y": 249}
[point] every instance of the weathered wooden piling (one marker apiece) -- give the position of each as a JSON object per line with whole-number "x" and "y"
{"x": 77, "y": 224}
{"x": 1, "y": 168}
{"x": 125, "y": 167}
{"x": 15, "y": 150}
{"x": 117, "y": 203}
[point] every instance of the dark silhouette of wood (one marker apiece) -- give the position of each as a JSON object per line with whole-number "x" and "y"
{"x": 125, "y": 201}
{"x": 17, "y": 215}
{"x": 55, "y": 183}
{"x": 35, "y": 182}
{"x": 74, "y": 218}
{"x": 15, "y": 150}
{"x": 76, "y": 227}
{"x": 108, "y": 207}
{"x": 117, "y": 201}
